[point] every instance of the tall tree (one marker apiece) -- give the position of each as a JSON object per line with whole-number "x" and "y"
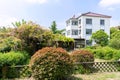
{"x": 53, "y": 27}
{"x": 100, "y": 37}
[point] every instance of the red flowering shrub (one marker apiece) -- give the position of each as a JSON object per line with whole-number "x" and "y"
{"x": 82, "y": 56}
{"x": 51, "y": 64}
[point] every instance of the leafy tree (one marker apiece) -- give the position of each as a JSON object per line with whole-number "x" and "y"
{"x": 115, "y": 43}
{"x": 19, "y": 23}
{"x": 113, "y": 29}
{"x": 115, "y": 40}
{"x": 100, "y": 37}
{"x": 54, "y": 29}
{"x": 116, "y": 35}
{"x": 30, "y": 35}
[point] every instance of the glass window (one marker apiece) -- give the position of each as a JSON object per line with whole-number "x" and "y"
{"x": 67, "y": 23}
{"x": 88, "y": 31}
{"x": 74, "y": 32}
{"x": 88, "y": 42}
{"x": 80, "y": 21}
{"x": 102, "y": 22}
{"x": 89, "y": 21}
{"x": 68, "y": 32}
{"x": 79, "y": 31}
{"x": 74, "y": 22}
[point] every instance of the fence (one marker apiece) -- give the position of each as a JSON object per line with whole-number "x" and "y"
{"x": 102, "y": 66}
{"x": 24, "y": 71}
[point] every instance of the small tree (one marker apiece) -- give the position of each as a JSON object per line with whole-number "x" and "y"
{"x": 100, "y": 37}
{"x": 53, "y": 27}
{"x": 113, "y": 29}
{"x": 115, "y": 40}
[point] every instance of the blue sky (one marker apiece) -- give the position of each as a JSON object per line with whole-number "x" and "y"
{"x": 44, "y": 12}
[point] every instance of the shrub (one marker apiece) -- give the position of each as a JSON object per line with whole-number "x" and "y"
{"x": 82, "y": 56}
{"x": 11, "y": 59}
{"x": 51, "y": 64}
{"x": 116, "y": 55}
{"x": 104, "y": 53}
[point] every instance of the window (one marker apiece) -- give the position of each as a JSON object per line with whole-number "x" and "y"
{"x": 80, "y": 21}
{"x": 89, "y": 21}
{"x": 88, "y": 31}
{"x": 79, "y": 31}
{"x": 68, "y": 32}
{"x": 102, "y": 22}
{"x": 74, "y": 32}
{"x": 67, "y": 23}
{"x": 88, "y": 42}
{"x": 74, "y": 22}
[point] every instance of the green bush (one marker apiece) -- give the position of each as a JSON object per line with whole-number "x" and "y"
{"x": 11, "y": 59}
{"x": 104, "y": 53}
{"x": 116, "y": 55}
{"x": 51, "y": 64}
{"x": 80, "y": 56}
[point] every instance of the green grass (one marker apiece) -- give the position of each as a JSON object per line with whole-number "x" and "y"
{"x": 100, "y": 76}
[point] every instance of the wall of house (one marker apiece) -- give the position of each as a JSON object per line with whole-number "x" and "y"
{"x": 95, "y": 26}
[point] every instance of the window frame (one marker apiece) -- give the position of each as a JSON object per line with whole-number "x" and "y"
{"x": 89, "y": 21}
{"x": 88, "y": 33}
{"x": 74, "y": 31}
{"x": 75, "y": 23}
{"x": 102, "y": 22}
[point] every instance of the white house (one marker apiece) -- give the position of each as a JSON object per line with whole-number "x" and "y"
{"x": 81, "y": 28}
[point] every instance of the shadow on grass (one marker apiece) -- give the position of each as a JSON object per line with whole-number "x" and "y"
{"x": 74, "y": 78}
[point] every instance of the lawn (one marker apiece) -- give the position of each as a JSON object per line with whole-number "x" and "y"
{"x": 100, "y": 76}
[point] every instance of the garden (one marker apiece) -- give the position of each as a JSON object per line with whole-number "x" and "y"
{"x": 29, "y": 51}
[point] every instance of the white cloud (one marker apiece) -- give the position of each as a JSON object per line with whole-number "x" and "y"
{"x": 6, "y": 20}
{"x": 108, "y": 3}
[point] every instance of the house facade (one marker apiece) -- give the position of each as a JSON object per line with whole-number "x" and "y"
{"x": 81, "y": 28}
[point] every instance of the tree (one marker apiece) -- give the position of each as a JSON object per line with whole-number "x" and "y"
{"x": 113, "y": 30}
{"x": 19, "y": 23}
{"x": 100, "y": 37}
{"x": 30, "y": 35}
{"x": 116, "y": 34}
{"x": 115, "y": 43}
{"x": 53, "y": 27}
{"x": 115, "y": 40}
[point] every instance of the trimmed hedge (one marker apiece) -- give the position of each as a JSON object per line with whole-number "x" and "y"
{"x": 51, "y": 64}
